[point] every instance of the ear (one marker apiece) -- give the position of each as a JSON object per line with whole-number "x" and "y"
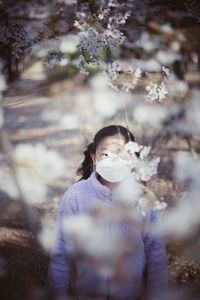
{"x": 93, "y": 156}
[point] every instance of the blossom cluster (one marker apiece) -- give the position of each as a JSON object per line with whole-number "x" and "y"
{"x": 158, "y": 90}
{"x": 99, "y": 33}
{"x": 143, "y": 168}
{"x": 122, "y": 76}
{"x": 52, "y": 59}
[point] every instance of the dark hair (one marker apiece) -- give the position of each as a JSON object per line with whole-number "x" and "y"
{"x": 86, "y": 167}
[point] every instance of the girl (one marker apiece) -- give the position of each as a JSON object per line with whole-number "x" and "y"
{"x": 146, "y": 274}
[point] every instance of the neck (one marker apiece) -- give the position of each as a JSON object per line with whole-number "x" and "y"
{"x": 110, "y": 185}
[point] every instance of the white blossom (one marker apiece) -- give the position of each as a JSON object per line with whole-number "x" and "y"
{"x": 7, "y": 184}
{"x": 143, "y": 168}
{"x": 105, "y": 102}
{"x": 127, "y": 191}
{"x": 167, "y": 28}
{"x": 190, "y": 124}
{"x": 167, "y": 57}
{"x": 46, "y": 163}
{"x": 33, "y": 188}
{"x": 182, "y": 219}
{"x": 34, "y": 167}
{"x": 152, "y": 88}
{"x": 146, "y": 204}
{"x": 156, "y": 92}
{"x": 166, "y": 71}
{"x": 70, "y": 121}
{"x": 162, "y": 92}
{"x": 178, "y": 88}
{"x": 93, "y": 39}
{"x": 150, "y": 115}
{"x": 69, "y": 43}
{"x": 147, "y": 169}
{"x": 70, "y": 2}
{"x": 145, "y": 152}
{"x": 88, "y": 234}
{"x": 47, "y": 235}
{"x": 132, "y": 147}
{"x": 53, "y": 59}
{"x": 123, "y": 76}
{"x": 147, "y": 42}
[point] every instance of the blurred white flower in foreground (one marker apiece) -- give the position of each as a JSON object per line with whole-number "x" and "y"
{"x": 70, "y": 121}
{"x": 183, "y": 219}
{"x": 150, "y": 115}
{"x": 90, "y": 236}
{"x": 178, "y": 88}
{"x": 7, "y": 184}
{"x": 69, "y": 43}
{"x": 167, "y": 57}
{"x": 33, "y": 188}
{"x": 47, "y": 235}
{"x": 146, "y": 204}
{"x": 105, "y": 101}
{"x": 147, "y": 42}
{"x": 127, "y": 191}
{"x": 47, "y": 163}
{"x": 134, "y": 195}
{"x": 35, "y": 167}
{"x": 190, "y": 124}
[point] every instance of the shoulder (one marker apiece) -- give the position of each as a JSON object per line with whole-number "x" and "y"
{"x": 69, "y": 200}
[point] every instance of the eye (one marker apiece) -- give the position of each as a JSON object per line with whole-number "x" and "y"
{"x": 106, "y": 154}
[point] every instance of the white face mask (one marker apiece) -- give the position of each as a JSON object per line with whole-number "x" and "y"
{"x": 113, "y": 168}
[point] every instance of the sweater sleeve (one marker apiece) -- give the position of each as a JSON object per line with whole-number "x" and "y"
{"x": 59, "y": 266}
{"x": 156, "y": 263}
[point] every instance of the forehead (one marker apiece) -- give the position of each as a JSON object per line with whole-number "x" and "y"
{"x": 109, "y": 141}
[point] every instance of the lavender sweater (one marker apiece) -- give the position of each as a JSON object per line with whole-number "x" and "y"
{"x": 148, "y": 264}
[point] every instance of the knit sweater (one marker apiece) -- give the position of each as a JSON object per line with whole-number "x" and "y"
{"x": 148, "y": 262}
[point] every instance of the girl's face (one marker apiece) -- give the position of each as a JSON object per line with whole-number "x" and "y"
{"x": 112, "y": 144}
